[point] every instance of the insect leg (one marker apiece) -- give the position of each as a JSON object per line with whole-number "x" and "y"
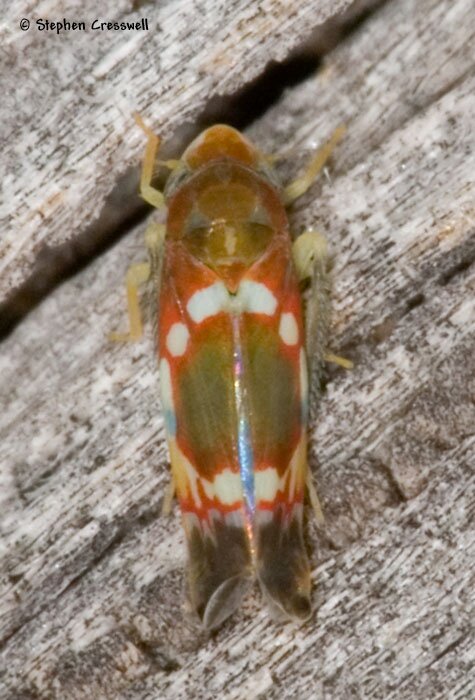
{"x": 310, "y": 257}
{"x": 148, "y": 192}
{"x": 136, "y": 276}
{"x": 168, "y": 497}
{"x": 314, "y": 500}
{"x": 338, "y": 360}
{"x": 154, "y": 240}
{"x": 299, "y": 186}
{"x": 309, "y": 250}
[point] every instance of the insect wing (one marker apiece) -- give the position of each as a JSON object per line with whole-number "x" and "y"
{"x": 197, "y": 384}
{"x": 276, "y": 390}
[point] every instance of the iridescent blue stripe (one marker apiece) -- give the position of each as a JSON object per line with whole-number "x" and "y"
{"x": 245, "y": 452}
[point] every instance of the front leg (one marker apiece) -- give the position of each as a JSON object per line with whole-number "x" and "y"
{"x": 148, "y": 192}
{"x": 299, "y": 186}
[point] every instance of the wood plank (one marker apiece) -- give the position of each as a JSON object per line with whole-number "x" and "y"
{"x": 68, "y": 135}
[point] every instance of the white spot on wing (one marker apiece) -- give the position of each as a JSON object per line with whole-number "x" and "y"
{"x": 228, "y": 487}
{"x": 208, "y": 302}
{"x": 252, "y": 297}
{"x": 267, "y": 484}
{"x": 256, "y": 298}
{"x": 177, "y": 339}
{"x": 288, "y": 329}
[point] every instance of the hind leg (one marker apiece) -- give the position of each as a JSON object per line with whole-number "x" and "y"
{"x": 314, "y": 500}
{"x": 137, "y": 275}
{"x": 310, "y": 256}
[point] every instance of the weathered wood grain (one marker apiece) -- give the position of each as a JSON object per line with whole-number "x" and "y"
{"x": 68, "y": 98}
{"x": 92, "y": 592}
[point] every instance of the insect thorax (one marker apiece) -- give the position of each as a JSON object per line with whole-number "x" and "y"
{"x": 226, "y": 215}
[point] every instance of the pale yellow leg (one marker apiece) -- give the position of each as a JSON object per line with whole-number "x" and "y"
{"x": 137, "y": 275}
{"x": 154, "y": 240}
{"x": 310, "y": 252}
{"x": 309, "y": 248}
{"x": 168, "y": 497}
{"x": 337, "y": 360}
{"x": 314, "y": 500}
{"x": 299, "y": 186}
{"x": 149, "y": 193}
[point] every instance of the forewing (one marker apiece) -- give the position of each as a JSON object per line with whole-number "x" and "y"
{"x": 196, "y": 370}
{"x": 276, "y": 388}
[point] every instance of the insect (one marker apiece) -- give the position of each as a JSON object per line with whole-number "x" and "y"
{"x": 233, "y": 365}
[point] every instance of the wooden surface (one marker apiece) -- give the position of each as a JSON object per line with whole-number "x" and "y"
{"x": 67, "y": 100}
{"x": 91, "y": 598}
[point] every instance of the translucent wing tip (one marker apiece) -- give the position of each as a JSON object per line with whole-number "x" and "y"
{"x": 219, "y": 570}
{"x": 224, "y": 601}
{"x": 283, "y": 567}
